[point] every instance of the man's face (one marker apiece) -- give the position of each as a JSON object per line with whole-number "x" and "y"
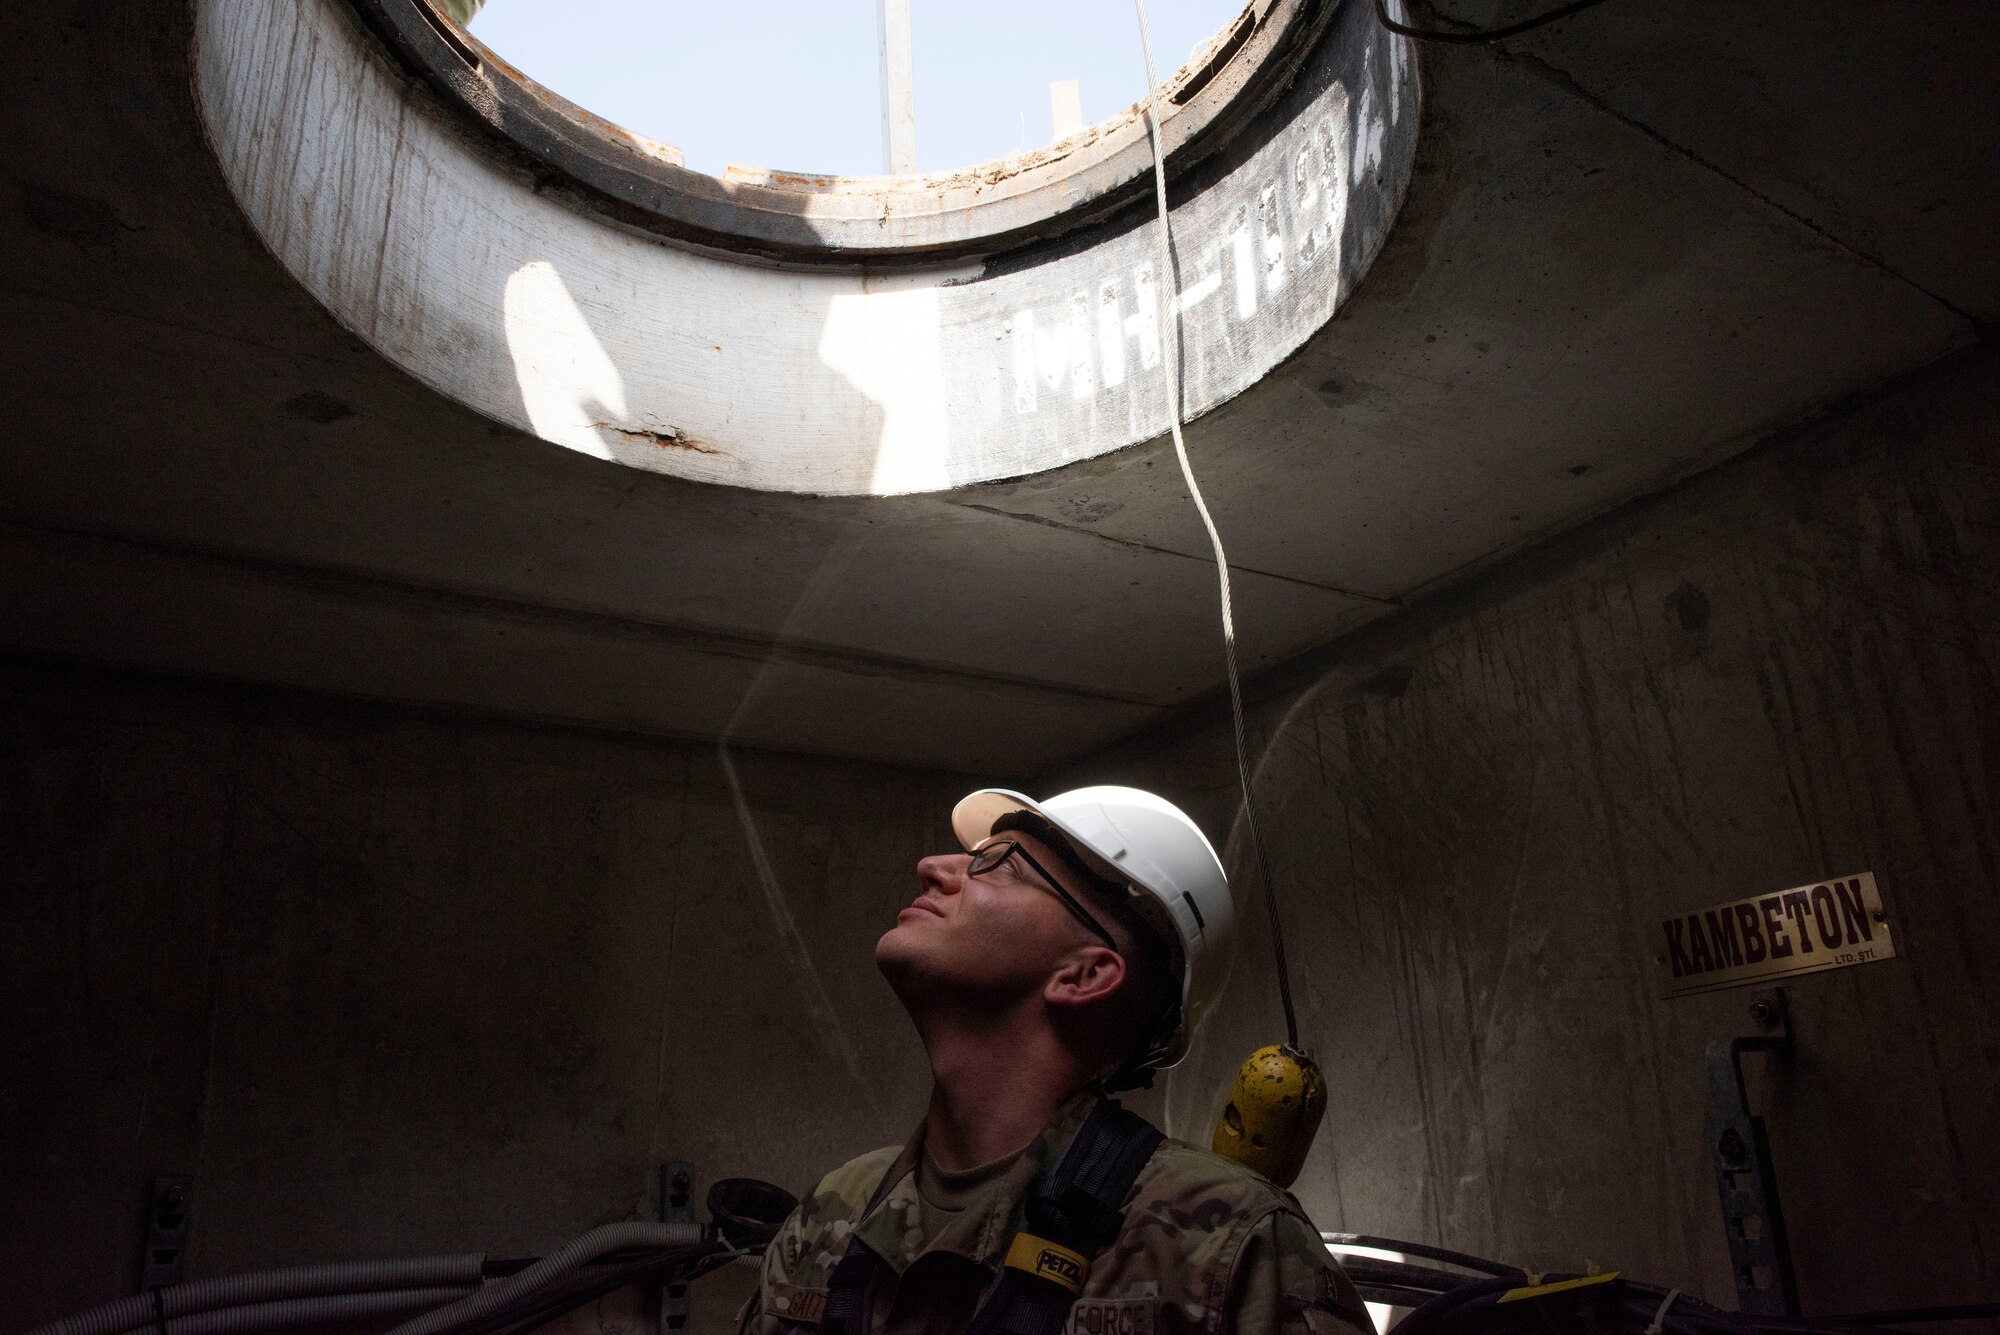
{"x": 998, "y": 935}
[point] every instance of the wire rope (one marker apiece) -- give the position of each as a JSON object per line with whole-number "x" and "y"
{"x": 1170, "y": 288}
{"x": 1479, "y": 36}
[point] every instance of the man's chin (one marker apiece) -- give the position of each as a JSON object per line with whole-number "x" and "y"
{"x": 906, "y": 952}
{"x": 895, "y": 949}
{"x": 900, "y": 962}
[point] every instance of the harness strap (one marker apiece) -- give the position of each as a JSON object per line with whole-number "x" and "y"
{"x": 1072, "y": 1214}
{"x": 1078, "y": 1201}
{"x": 850, "y": 1293}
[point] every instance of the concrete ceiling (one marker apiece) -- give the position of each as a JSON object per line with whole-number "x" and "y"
{"x": 1636, "y": 242}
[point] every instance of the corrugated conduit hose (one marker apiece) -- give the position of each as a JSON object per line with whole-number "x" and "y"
{"x": 313, "y": 1294}
{"x": 571, "y": 1255}
{"x": 259, "y": 1318}
{"x": 438, "y": 1278}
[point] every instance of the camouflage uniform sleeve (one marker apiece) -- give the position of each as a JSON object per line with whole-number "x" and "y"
{"x": 791, "y": 1284}
{"x": 1286, "y": 1281}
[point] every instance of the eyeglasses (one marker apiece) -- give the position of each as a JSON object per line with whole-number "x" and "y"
{"x": 990, "y": 856}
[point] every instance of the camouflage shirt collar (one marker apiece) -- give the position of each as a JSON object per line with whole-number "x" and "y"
{"x": 891, "y": 1229}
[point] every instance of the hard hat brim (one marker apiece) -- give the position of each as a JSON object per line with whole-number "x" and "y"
{"x": 977, "y": 813}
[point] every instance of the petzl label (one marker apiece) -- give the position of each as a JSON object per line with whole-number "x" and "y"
{"x": 1828, "y": 925}
{"x": 1060, "y": 1267}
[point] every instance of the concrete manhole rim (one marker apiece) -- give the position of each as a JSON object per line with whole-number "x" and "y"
{"x": 802, "y": 218}
{"x": 911, "y": 374}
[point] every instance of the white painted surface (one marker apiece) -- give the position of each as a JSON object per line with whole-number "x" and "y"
{"x": 620, "y": 345}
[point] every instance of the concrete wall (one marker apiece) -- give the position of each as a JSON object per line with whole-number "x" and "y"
{"x": 1785, "y": 670}
{"x": 390, "y": 982}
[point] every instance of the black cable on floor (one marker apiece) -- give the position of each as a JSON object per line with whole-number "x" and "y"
{"x": 1460, "y": 1259}
{"x": 1956, "y": 1312}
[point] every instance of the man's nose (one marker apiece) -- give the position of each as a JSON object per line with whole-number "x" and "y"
{"x": 943, "y": 872}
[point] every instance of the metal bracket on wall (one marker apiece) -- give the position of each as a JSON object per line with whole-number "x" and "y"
{"x": 1752, "y": 1222}
{"x": 169, "y": 1225}
{"x": 676, "y": 1207}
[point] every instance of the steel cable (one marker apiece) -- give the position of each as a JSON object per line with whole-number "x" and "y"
{"x": 1170, "y": 288}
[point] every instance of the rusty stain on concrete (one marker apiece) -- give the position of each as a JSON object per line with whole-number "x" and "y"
{"x": 669, "y": 438}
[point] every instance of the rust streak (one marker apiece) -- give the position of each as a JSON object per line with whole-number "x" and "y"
{"x": 669, "y": 439}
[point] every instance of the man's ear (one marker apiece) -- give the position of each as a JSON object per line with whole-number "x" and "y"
{"x": 1086, "y": 974}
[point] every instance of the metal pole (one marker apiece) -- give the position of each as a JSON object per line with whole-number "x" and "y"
{"x": 899, "y": 106}
{"x": 1753, "y": 1223}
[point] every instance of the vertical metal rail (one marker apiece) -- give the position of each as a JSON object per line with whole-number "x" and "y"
{"x": 169, "y": 1231}
{"x": 669, "y": 1301}
{"x": 1760, "y": 1257}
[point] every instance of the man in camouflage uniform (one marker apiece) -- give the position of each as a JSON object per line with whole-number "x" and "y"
{"x": 1077, "y": 940}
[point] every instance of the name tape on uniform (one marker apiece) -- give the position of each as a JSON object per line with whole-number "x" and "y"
{"x": 1802, "y": 930}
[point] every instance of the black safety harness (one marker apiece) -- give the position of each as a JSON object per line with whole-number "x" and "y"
{"x": 1072, "y": 1214}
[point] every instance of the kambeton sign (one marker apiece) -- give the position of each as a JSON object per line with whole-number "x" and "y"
{"x": 1802, "y": 930}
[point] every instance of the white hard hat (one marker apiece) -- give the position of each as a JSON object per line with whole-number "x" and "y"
{"x": 1146, "y": 841}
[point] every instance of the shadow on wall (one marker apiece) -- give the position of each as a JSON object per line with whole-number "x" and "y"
{"x": 627, "y": 408}
{"x": 392, "y": 982}
{"x": 576, "y": 395}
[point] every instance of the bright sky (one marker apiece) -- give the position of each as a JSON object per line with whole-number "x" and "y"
{"x": 796, "y": 84}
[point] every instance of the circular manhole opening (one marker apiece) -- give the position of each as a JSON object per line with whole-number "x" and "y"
{"x": 807, "y": 86}
{"x": 836, "y": 336}
{"x": 957, "y": 210}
